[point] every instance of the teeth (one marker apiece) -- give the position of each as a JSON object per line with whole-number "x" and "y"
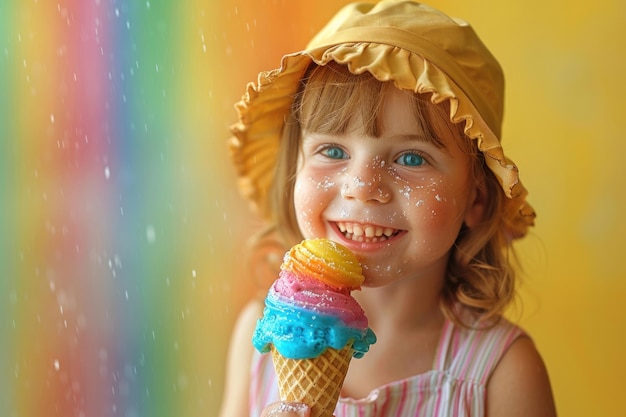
{"x": 369, "y": 231}
{"x": 365, "y": 232}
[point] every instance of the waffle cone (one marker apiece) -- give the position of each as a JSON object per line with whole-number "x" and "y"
{"x": 316, "y": 382}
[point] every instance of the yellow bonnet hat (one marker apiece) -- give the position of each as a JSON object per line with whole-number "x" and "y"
{"x": 416, "y": 47}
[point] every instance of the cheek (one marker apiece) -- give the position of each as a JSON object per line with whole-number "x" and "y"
{"x": 432, "y": 205}
{"x": 302, "y": 206}
{"x": 310, "y": 198}
{"x": 429, "y": 193}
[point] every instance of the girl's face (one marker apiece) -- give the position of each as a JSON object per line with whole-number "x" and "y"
{"x": 398, "y": 200}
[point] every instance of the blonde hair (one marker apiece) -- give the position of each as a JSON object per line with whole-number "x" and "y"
{"x": 480, "y": 275}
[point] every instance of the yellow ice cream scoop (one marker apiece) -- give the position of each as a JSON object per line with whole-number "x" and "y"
{"x": 327, "y": 261}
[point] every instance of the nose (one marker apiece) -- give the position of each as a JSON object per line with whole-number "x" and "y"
{"x": 366, "y": 184}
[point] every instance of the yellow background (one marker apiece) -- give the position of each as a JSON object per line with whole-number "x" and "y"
{"x": 564, "y": 63}
{"x": 121, "y": 231}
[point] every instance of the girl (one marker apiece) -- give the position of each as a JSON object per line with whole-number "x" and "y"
{"x": 384, "y": 135}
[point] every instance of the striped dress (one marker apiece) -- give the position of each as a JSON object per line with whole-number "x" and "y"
{"x": 456, "y": 386}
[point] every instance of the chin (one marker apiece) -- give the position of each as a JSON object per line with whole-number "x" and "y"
{"x": 376, "y": 279}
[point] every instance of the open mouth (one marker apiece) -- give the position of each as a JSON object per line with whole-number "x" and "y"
{"x": 366, "y": 233}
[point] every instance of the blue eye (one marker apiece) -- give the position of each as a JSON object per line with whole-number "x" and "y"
{"x": 411, "y": 160}
{"x": 334, "y": 152}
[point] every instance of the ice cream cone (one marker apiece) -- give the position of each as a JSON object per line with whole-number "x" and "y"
{"x": 313, "y": 325}
{"x": 316, "y": 381}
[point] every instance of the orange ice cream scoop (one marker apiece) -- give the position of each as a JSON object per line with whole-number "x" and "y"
{"x": 327, "y": 261}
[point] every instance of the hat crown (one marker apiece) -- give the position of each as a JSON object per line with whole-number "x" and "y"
{"x": 449, "y": 43}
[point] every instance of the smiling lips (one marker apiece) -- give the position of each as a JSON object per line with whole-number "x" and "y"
{"x": 366, "y": 233}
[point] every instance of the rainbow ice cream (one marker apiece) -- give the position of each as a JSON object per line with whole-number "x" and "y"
{"x": 310, "y": 316}
{"x": 309, "y": 307}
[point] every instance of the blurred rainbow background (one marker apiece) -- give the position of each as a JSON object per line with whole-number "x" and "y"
{"x": 121, "y": 231}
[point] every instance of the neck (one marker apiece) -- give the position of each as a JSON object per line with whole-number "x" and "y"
{"x": 410, "y": 304}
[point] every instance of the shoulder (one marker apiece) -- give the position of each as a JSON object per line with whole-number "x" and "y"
{"x": 519, "y": 385}
{"x": 240, "y": 353}
{"x": 251, "y": 312}
{"x": 244, "y": 327}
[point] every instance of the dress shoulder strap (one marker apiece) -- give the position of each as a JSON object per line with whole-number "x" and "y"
{"x": 473, "y": 354}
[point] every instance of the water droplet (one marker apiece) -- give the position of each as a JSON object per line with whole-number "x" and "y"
{"x": 57, "y": 365}
{"x": 150, "y": 234}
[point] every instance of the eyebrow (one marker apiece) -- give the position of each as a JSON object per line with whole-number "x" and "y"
{"x": 439, "y": 144}
{"x": 408, "y": 137}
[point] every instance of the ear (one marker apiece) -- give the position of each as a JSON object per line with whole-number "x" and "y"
{"x": 475, "y": 212}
